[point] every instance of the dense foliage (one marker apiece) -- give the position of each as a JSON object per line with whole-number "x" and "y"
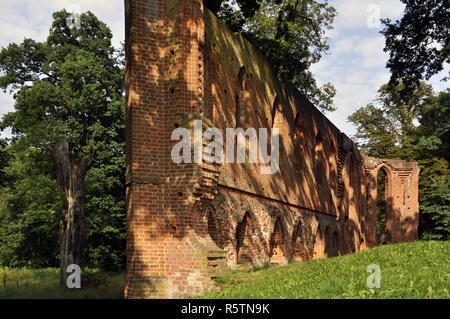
{"x": 29, "y": 212}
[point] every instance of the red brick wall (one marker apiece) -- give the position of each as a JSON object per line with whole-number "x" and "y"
{"x": 165, "y": 253}
{"x": 187, "y": 223}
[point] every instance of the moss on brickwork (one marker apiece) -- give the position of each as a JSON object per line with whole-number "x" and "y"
{"x": 187, "y": 121}
{"x": 171, "y": 8}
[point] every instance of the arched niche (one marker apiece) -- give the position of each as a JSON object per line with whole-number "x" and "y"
{"x": 277, "y": 243}
{"x": 299, "y": 252}
{"x": 321, "y": 166}
{"x": 245, "y": 252}
{"x": 348, "y": 202}
{"x": 319, "y": 244}
{"x": 213, "y": 229}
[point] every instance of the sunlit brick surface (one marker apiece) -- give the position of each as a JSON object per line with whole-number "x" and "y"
{"x": 188, "y": 223}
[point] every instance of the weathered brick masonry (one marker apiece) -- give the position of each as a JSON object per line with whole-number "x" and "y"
{"x": 189, "y": 222}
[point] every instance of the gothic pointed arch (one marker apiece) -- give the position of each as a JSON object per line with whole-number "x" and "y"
{"x": 244, "y": 240}
{"x": 319, "y": 243}
{"x": 277, "y": 243}
{"x": 299, "y": 252}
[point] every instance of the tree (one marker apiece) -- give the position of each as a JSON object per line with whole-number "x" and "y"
{"x": 291, "y": 35}
{"x": 29, "y": 210}
{"x": 387, "y": 128}
{"x": 435, "y": 127}
{"x": 414, "y": 127}
{"x": 105, "y": 211}
{"x": 69, "y": 102}
{"x": 419, "y": 43}
{"x": 433, "y": 156}
{"x": 29, "y": 218}
{"x": 435, "y": 209}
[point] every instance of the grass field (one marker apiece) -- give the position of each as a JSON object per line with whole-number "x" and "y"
{"x": 410, "y": 270}
{"x": 44, "y": 283}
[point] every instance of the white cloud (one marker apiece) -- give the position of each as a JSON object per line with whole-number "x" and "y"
{"x": 355, "y": 13}
{"x": 356, "y": 63}
{"x": 368, "y": 49}
{"x": 6, "y": 105}
{"x": 345, "y": 45}
{"x": 33, "y": 18}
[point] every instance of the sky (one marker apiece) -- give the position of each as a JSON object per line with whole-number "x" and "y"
{"x": 355, "y": 63}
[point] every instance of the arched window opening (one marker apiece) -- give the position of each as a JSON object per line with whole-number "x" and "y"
{"x": 382, "y": 196}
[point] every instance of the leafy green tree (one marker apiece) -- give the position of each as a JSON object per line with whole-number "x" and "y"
{"x": 435, "y": 127}
{"x": 105, "y": 211}
{"x": 4, "y": 162}
{"x": 415, "y": 127}
{"x": 68, "y": 95}
{"x": 433, "y": 156}
{"x": 29, "y": 205}
{"x": 435, "y": 210}
{"x": 388, "y": 127}
{"x": 381, "y": 203}
{"x": 291, "y": 35}
{"x": 418, "y": 43}
{"x": 29, "y": 211}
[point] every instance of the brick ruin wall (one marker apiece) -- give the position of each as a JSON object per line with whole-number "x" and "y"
{"x": 188, "y": 223}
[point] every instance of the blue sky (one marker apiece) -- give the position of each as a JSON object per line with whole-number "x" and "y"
{"x": 355, "y": 64}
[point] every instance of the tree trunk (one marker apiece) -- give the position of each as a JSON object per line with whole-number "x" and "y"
{"x": 70, "y": 177}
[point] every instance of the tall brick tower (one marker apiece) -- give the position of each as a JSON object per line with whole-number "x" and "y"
{"x": 166, "y": 254}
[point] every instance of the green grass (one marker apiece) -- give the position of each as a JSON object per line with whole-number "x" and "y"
{"x": 409, "y": 270}
{"x": 44, "y": 283}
